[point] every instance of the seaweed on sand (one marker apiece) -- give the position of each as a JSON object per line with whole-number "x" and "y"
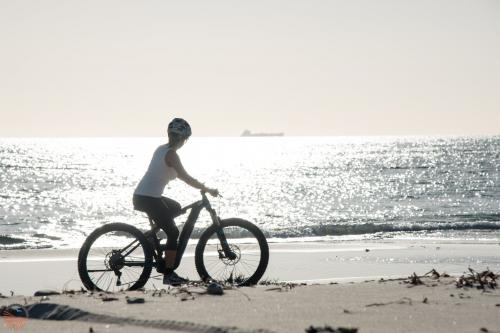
{"x": 328, "y": 329}
{"x": 480, "y": 280}
{"x": 414, "y": 279}
{"x": 436, "y": 275}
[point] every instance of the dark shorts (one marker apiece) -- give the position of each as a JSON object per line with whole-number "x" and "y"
{"x": 162, "y": 211}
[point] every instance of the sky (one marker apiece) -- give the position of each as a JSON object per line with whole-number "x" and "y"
{"x": 305, "y": 68}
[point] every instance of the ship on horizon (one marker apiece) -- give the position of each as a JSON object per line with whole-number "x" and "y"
{"x": 249, "y": 133}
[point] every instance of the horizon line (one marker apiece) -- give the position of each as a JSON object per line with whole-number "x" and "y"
{"x": 247, "y": 137}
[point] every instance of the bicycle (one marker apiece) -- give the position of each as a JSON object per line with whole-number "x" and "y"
{"x": 231, "y": 250}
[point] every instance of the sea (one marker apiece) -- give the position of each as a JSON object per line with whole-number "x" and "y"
{"x": 55, "y": 191}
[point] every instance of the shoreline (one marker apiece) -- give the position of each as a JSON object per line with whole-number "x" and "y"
{"x": 454, "y": 236}
{"x": 25, "y": 271}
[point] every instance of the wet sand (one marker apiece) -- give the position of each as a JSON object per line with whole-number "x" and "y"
{"x": 361, "y": 300}
{"x": 26, "y": 271}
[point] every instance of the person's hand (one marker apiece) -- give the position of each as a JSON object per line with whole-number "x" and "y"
{"x": 213, "y": 192}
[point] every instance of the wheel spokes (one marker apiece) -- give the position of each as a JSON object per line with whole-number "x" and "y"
{"x": 239, "y": 269}
{"x": 115, "y": 261}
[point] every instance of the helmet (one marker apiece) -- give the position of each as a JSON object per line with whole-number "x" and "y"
{"x": 180, "y": 127}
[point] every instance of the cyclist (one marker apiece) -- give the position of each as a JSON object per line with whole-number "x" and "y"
{"x": 164, "y": 167}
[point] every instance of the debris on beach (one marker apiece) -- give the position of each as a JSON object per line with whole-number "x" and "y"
{"x": 276, "y": 282}
{"x": 382, "y": 280}
{"x": 108, "y": 299}
{"x": 267, "y": 282}
{"x": 238, "y": 279}
{"x": 435, "y": 274}
{"x": 159, "y": 292}
{"x": 186, "y": 297}
{"x": 189, "y": 290}
{"x": 46, "y": 293}
{"x": 3, "y": 296}
{"x": 285, "y": 286}
{"x": 414, "y": 279}
{"x": 404, "y": 300}
{"x": 74, "y": 292}
{"x": 215, "y": 289}
{"x": 329, "y": 329}
{"x": 479, "y": 280}
{"x": 135, "y": 300}
{"x": 183, "y": 293}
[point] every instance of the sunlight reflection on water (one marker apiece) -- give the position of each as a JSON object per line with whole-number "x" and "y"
{"x": 61, "y": 189}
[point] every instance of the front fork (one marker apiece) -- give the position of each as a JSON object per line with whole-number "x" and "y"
{"x": 228, "y": 253}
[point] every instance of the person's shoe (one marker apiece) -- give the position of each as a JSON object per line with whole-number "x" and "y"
{"x": 173, "y": 279}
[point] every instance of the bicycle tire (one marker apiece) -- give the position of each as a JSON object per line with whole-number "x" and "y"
{"x": 118, "y": 227}
{"x": 233, "y": 222}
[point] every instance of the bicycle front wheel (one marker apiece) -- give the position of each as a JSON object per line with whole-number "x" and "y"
{"x": 114, "y": 257}
{"x": 247, "y": 243}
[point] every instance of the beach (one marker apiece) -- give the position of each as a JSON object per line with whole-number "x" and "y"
{"x": 393, "y": 306}
{"x": 361, "y": 285}
{"x": 339, "y": 158}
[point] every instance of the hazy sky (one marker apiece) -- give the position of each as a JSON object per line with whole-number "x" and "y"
{"x": 353, "y": 67}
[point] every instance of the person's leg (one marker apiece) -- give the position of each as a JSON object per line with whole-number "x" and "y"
{"x": 162, "y": 212}
{"x": 168, "y": 225}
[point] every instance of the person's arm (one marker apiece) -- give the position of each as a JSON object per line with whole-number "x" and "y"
{"x": 173, "y": 160}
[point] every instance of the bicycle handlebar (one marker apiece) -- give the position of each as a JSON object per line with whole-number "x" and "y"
{"x": 204, "y": 199}
{"x": 203, "y": 193}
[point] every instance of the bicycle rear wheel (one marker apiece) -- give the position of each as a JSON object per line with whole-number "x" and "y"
{"x": 246, "y": 241}
{"x": 116, "y": 256}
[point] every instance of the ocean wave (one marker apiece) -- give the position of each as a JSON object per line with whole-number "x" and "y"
{"x": 45, "y": 236}
{"x": 26, "y": 247}
{"x": 344, "y": 229}
{"x": 489, "y": 222}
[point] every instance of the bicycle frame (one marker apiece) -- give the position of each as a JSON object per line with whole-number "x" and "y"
{"x": 185, "y": 234}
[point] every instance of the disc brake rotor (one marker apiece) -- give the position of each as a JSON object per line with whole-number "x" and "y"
{"x": 230, "y": 262}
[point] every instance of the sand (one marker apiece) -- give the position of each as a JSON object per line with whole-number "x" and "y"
{"x": 393, "y": 306}
{"x": 361, "y": 300}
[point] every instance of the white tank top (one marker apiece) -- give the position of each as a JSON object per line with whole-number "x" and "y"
{"x": 157, "y": 176}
